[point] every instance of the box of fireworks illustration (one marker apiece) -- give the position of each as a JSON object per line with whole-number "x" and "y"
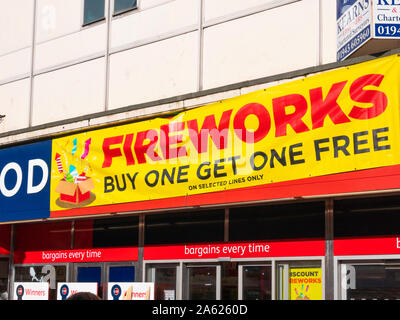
{"x": 75, "y": 191}
{"x": 74, "y": 188}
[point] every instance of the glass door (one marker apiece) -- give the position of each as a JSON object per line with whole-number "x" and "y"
{"x": 229, "y": 280}
{"x": 4, "y": 279}
{"x": 202, "y": 282}
{"x": 370, "y": 280}
{"x": 299, "y": 280}
{"x": 42, "y": 273}
{"x": 117, "y": 274}
{"x": 165, "y": 278}
{"x": 90, "y": 272}
{"x": 120, "y": 273}
{"x": 255, "y": 281}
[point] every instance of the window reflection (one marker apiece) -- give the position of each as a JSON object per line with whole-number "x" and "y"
{"x": 44, "y": 273}
{"x": 257, "y": 283}
{"x": 202, "y": 283}
{"x": 372, "y": 282}
{"x": 124, "y": 5}
{"x": 3, "y": 279}
{"x": 93, "y": 11}
{"x": 229, "y": 280}
{"x": 164, "y": 278}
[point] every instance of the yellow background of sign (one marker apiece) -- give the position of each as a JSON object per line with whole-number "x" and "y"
{"x": 92, "y": 164}
{"x": 307, "y": 287}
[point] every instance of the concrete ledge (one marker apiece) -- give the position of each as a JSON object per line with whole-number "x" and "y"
{"x": 165, "y": 106}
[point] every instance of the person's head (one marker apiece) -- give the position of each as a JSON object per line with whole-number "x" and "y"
{"x": 83, "y": 296}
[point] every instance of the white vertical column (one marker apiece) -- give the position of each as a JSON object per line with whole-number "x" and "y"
{"x": 200, "y": 45}
{"x": 32, "y": 63}
{"x": 109, "y": 9}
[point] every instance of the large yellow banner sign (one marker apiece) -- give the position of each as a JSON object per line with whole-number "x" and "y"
{"x": 337, "y": 121}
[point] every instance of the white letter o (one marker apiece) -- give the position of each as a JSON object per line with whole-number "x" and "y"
{"x": 3, "y": 189}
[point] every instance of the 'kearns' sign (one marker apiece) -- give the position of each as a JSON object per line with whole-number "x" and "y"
{"x": 353, "y": 26}
{"x": 358, "y": 21}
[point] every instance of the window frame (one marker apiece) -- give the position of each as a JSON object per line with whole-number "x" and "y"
{"x": 85, "y": 24}
{"x": 117, "y": 13}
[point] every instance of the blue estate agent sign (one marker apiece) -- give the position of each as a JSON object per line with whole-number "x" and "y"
{"x": 25, "y": 182}
{"x": 386, "y": 19}
{"x": 353, "y": 26}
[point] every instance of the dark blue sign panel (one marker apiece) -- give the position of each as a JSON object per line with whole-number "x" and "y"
{"x": 342, "y": 6}
{"x": 353, "y": 26}
{"x": 25, "y": 182}
{"x": 386, "y": 19}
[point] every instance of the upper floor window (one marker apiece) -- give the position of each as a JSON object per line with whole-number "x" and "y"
{"x": 93, "y": 11}
{"x": 124, "y": 5}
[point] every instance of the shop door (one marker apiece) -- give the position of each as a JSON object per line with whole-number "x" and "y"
{"x": 90, "y": 272}
{"x": 202, "y": 282}
{"x": 255, "y": 282}
{"x": 120, "y": 273}
{"x": 42, "y": 273}
{"x": 103, "y": 273}
{"x": 4, "y": 278}
{"x": 165, "y": 278}
{"x": 299, "y": 280}
{"x": 211, "y": 281}
{"x": 370, "y": 280}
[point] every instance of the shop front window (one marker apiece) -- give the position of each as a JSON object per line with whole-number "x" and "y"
{"x": 361, "y": 217}
{"x": 379, "y": 280}
{"x": 164, "y": 277}
{"x": 288, "y": 221}
{"x": 201, "y": 282}
{"x": 185, "y": 227}
{"x": 229, "y": 280}
{"x": 42, "y": 273}
{"x": 257, "y": 282}
{"x": 299, "y": 280}
{"x": 106, "y": 233}
{"x": 121, "y": 274}
{"x": 43, "y": 236}
{"x": 4, "y": 278}
{"x": 76, "y": 251}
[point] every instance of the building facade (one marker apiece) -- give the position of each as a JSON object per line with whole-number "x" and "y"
{"x": 103, "y": 178}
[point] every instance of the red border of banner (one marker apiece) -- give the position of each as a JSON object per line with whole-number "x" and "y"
{"x": 356, "y": 181}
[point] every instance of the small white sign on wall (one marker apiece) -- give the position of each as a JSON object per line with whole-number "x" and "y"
{"x": 66, "y": 289}
{"x": 130, "y": 291}
{"x": 31, "y": 291}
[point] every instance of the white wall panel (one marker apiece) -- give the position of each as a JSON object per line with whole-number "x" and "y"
{"x": 14, "y": 104}
{"x": 215, "y": 9}
{"x": 328, "y": 20}
{"x": 71, "y": 47}
{"x": 69, "y": 92}
{"x": 263, "y": 44}
{"x": 155, "y": 71}
{"x": 15, "y": 64}
{"x": 146, "y": 4}
{"x": 154, "y": 22}
{"x": 57, "y": 18}
{"x": 16, "y": 21}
